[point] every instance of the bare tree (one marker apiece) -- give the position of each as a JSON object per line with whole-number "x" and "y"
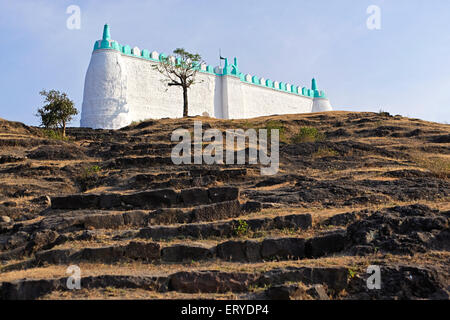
{"x": 180, "y": 70}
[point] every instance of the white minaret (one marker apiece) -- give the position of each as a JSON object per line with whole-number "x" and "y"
{"x": 320, "y": 103}
{"x": 105, "y": 87}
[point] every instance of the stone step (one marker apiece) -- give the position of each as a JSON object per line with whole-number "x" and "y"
{"x": 103, "y": 135}
{"x": 133, "y": 251}
{"x": 226, "y": 229}
{"x": 152, "y": 199}
{"x": 10, "y": 159}
{"x": 156, "y": 161}
{"x": 27, "y": 142}
{"x": 233, "y": 251}
{"x": 101, "y": 219}
{"x": 137, "y": 162}
{"x": 176, "y": 183}
{"x": 281, "y": 248}
{"x": 51, "y": 231}
{"x": 207, "y": 281}
{"x": 202, "y": 177}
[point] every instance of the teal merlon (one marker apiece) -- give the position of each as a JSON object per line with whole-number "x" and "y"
{"x": 228, "y": 70}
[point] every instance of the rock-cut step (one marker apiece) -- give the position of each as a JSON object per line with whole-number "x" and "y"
{"x": 234, "y": 251}
{"x": 152, "y": 199}
{"x": 226, "y": 229}
{"x": 207, "y": 281}
{"x": 184, "y": 179}
{"x": 104, "y": 219}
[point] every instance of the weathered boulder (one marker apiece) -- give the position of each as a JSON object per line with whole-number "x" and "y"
{"x": 109, "y": 201}
{"x": 54, "y": 256}
{"x": 194, "y": 196}
{"x": 211, "y": 282}
{"x": 58, "y": 152}
{"x": 318, "y": 291}
{"x": 331, "y": 243}
{"x": 294, "y": 221}
{"x": 334, "y": 278}
{"x": 5, "y": 219}
{"x": 241, "y": 251}
{"x": 216, "y": 211}
{"x": 283, "y": 248}
{"x": 147, "y": 251}
{"x": 221, "y": 194}
{"x": 103, "y": 221}
{"x": 402, "y": 282}
{"x": 285, "y": 292}
{"x": 135, "y": 218}
{"x": 17, "y": 239}
{"x": 251, "y": 206}
{"x": 154, "y": 199}
{"x": 76, "y": 201}
{"x": 401, "y": 229}
{"x": 169, "y": 216}
{"x": 28, "y": 289}
{"x": 158, "y": 232}
{"x": 109, "y": 254}
{"x": 42, "y": 240}
{"x": 186, "y": 253}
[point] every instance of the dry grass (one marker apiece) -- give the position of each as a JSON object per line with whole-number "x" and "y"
{"x": 324, "y": 152}
{"x": 439, "y": 166}
{"x": 438, "y": 259}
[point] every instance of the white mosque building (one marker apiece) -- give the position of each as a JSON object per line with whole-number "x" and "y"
{"x": 121, "y": 86}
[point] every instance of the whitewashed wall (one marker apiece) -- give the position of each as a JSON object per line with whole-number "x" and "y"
{"x": 120, "y": 89}
{"x": 261, "y": 101}
{"x": 149, "y": 97}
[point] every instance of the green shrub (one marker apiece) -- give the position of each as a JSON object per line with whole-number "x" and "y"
{"x": 325, "y": 152}
{"x": 90, "y": 178}
{"x": 384, "y": 113}
{"x": 241, "y": 229}
{"x": 94, "y": 169}
{"x": 308, "y": 134}
{"x": 54, "y": 135}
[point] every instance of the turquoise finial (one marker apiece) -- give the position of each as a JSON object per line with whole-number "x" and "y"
{"x": 313, "y": 84}
{"x": 106, "y": 33}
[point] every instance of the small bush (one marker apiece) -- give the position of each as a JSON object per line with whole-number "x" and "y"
{"x": 384, "y": 113}
{"x": 90, "y": 178}
{"x": 54, "y": 135}
{"x": 308, "y": 134}
{"x": 241, "y": 229}
{"x": 325, "y": 152}
{"x": 94, "y": 169}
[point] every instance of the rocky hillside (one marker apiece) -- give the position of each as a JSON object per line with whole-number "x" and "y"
{"x": 353, "y": 190}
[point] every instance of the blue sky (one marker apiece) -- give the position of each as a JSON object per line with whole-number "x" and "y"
{"x": 404, "y": 68}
